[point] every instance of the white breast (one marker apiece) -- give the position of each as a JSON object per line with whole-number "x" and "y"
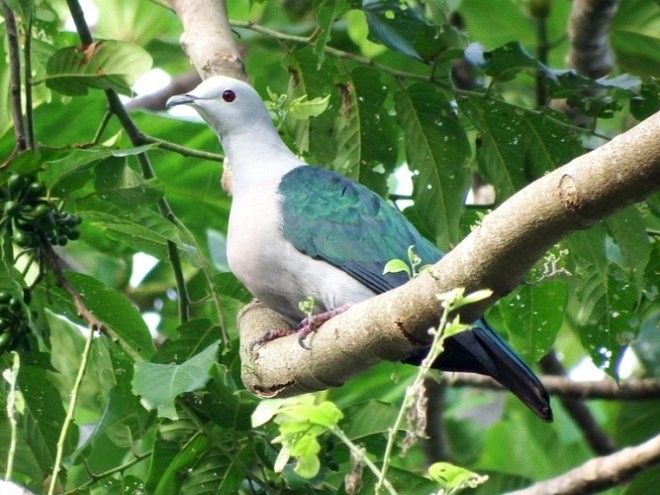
{"x": 272, "y": 269}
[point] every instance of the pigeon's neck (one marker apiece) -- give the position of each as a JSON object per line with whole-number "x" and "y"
{"x": 257, "y": 156}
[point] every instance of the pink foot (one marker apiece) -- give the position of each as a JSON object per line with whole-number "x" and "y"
{"x": 307, "y": 326}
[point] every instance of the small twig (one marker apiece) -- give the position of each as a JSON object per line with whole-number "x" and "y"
{"x": 15, "y": 76}
{"x": 600, "y": 473}
{"x": 27, "y": 61}
{"x": 330, "y": 50}
{"x": 68, "y": 419}
{"x": 448, "y": 305}
{"x": 182, "y": 150}
{"x": 117, "y": 108}
{"x": 10, "y": 375}
{"x": 54, "y": 263}
{"x": 105, "y": 474}
{"x": 102, "y": 126}
{"x": 360, "y": 454}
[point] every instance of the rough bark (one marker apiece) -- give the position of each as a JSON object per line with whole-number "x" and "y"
{"x": 495, "y": 255}
{"x": 600, "y": 473}
{"x": 607, "y": 389}
{"x": 207, "y": 38}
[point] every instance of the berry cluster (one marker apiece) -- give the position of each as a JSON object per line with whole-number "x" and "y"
{"x": 13, "y": 325}
{"x": 36, "y": 219}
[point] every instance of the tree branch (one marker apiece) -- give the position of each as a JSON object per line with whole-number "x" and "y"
{"x": 15, "y": 76}
{"x": 642, "y": 389}
{"x": 588, "y": 33}
{"x": 601, "y": 472}
{"x": 215, "y": 52}
{"x": 495, "y": 255}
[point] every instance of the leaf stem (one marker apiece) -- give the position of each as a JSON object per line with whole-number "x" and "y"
{"x": 182, "y": 150}
{"x": 11, "y": 375}
{"x": 68, "y": 419}
{"x": 422, "y": 373}
{"x": 118, "y": 469}
{"x": 102, "y": 126}
{"x": 360, "y": 454}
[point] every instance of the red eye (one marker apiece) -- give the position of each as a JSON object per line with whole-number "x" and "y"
{"x": 228, "y": 96}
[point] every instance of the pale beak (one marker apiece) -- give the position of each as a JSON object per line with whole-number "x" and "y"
{"x": 180, "y": 100}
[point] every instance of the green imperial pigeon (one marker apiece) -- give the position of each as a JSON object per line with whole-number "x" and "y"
{"x": 297, "y": 231}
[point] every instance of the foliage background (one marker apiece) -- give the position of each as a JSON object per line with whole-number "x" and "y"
{"x": 132, "y": 429}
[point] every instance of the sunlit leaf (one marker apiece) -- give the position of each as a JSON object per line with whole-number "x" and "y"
{"x": 160, "y": 384}
{"x": 103, "y": 64}
{"x": 437, "y": 151}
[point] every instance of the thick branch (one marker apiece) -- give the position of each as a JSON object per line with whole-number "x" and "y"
{"x": 495, "y": 255}
{"x": 207, "y": 38}
{"x": 588, "y": 30}
{"x": 601, "y": 472}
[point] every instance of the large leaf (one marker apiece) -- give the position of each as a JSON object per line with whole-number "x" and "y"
{"x": 43, "y": 416}
{"x": 121, "y": 318}
{"x": 605, "y": 297}
{"x": 533, "y": 315}
{"x": 366, "y": 135}
{"x": 516, "y": 145}
{"x": 102, "y": 64}
{"x": 160, "y": 384}
{"x": 629, "y": 232}
{"x": 404, "y": 29}
{"x": 437, "y": 151}
{"x": 142, "y": 229}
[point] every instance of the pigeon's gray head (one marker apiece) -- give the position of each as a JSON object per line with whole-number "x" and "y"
{"x": 226, "y": 104}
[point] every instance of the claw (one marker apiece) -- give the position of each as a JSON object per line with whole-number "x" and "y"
{"x": 307, "y": 326}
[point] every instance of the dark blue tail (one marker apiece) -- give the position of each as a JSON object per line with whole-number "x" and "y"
{"x": 481, "y": 350}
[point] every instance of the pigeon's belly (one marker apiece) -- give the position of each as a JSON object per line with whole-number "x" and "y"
{"x": 274, "y": 271}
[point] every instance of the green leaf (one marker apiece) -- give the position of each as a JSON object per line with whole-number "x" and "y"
{"x": 647, "y": 102}
{"x": 404, "y": 29}
{"x": 304, "y": 108}
{"x": 606, "y": 323}
{"x": 67, "y": 174}
{"x": 629, "y": 232}
{"x": 366, "y": 136}
{"x": 437, "y": 151}
{"x": 114, "y": 310}
{"x": 160, "y": 384}
{"x": 533, "y": 315}
{"x": 326, "y": 12}
{"x": 43, "y": 416}
{"x": 317, "y": 135}
{"x": 373, "y": 417}
{"x": 142, "y": 229}
{"x": 504, "y": 62}
{"x": 605, "y": 299}
{"x": 452, "y": 478}
{"x": 103, "y": 64}
{"x": 169, "y": 474}
{"x": 516, "y": 145}
{"x": 117, "y": 183}
{"x": 396, "y": 266}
